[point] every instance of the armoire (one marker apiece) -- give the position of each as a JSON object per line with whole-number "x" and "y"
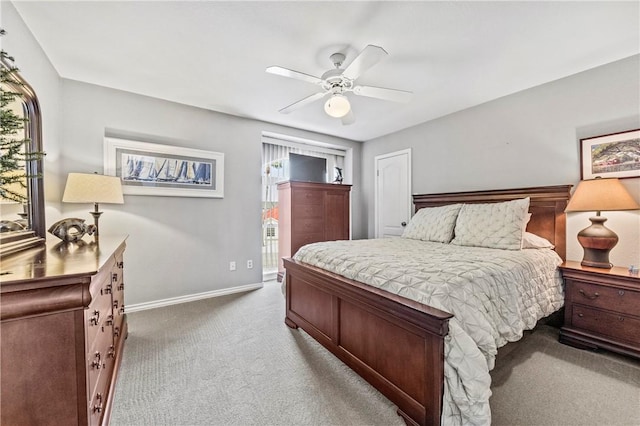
{"x": 310, "y": 212}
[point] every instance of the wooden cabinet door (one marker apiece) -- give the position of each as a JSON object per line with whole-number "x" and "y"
{"x": 336, "y": 208}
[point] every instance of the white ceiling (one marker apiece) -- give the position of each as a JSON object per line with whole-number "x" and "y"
{"x": 213, "y": 54}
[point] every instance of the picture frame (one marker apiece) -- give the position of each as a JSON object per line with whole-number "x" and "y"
{"x": 163, "y": 170}
{"x": 613, "y": 155}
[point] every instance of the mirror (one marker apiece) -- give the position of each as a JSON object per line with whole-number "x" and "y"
{"x": 22, "y": 224}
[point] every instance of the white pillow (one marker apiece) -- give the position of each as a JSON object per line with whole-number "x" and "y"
{"x": 492, "y": 225}
{"x": 533, "y": 241}
{"x": 433, "y": 224}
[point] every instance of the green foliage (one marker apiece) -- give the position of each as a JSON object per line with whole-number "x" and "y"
{"x": 14, "y": 154}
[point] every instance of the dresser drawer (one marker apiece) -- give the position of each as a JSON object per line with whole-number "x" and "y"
{"x": 99, "y": 400}
{"x": 606, "y": 323}
{"x": 118, "y": 298}
{"x": 620, "y": 300}
{"x": 307, "y": 196}
{"x": 101, "y": 282}
{"x": 96, "y": 408}
{"x": 100, "y": 353}
{"x": 307, "y": 211}
{"x": 100, "y": 387}
{"x": 118, "y": 318}
{"x": 95, "y": 316}
{"x": 307, "y": 226}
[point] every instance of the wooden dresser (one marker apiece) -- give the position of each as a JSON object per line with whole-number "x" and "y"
{"x": 62, "y": 332}
{"x": 602, "y": 308}
{"x": 308, "y": 213}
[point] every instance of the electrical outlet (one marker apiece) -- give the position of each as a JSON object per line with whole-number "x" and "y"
{"x": 249, "y": 264}
{"x": 232, "y": 266}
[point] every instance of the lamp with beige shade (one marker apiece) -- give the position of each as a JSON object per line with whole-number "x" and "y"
{"x": 599, "y": 195}
{"x": 93, "y": 188}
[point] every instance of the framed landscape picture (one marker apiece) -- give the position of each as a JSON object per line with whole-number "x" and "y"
{"x": 615, "y": 155}
{"x": 164, "y": 170}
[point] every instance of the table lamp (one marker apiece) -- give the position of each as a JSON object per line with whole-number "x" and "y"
{"x": 93, "y": 188}
{"x": 599, "y": 195}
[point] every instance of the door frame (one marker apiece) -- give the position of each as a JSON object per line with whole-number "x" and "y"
{"x": 409, "y": 200}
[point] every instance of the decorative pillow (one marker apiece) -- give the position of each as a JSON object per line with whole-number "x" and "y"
{"x": 433, "y": 224}
{"x": 524, "y": 224}
{"x": 533, "y": 241}
{"x": 492, "y": 225}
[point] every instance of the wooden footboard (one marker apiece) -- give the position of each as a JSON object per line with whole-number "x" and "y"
{"x": 396, "y": 344}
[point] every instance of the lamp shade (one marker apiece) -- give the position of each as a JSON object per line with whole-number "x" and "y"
{"x": 337, "y": 106}
{"x": 93, "y": 188}
{"x": 601, "y": 195}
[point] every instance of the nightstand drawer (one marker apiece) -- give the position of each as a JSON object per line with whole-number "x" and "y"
{"x": 609, "y": 324}
{"x": 620, "y": 300}
{"x": 602, "y": 308}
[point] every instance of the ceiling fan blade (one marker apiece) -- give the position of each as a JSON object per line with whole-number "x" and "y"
{"x": 369, "y": 56}
{"x": 349, "y": 118}
{"x": 382, "y": 93}
{"x": 284, "y": 72}
{"x": 302, "y": 102}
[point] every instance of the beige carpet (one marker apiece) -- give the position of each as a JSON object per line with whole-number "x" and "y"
{"x": 232, "y": 361}
{"x": 543, "y": 382}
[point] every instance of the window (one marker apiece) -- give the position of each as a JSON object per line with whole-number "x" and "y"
{"x": 271, "y": 231}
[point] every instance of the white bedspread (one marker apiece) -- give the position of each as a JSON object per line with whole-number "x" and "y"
{"x": 493, "y": 294}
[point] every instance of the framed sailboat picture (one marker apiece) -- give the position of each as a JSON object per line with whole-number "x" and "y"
{"x": 171, "y": 171}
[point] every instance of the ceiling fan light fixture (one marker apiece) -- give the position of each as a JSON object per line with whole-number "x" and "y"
{"x": 336, "y": 82}
{"x": 337, "y": 106}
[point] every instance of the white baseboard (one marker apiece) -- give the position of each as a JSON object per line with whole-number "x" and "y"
{"x": 191, "y": 297}
{"x": 269, "y": 276}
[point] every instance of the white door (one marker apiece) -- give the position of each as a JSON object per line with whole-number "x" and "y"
{"x": 392, "y": 193}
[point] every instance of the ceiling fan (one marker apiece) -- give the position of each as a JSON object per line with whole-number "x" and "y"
{"x": 337, "y": 82}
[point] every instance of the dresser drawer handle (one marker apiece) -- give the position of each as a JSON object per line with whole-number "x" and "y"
{"x": 96, "y": 362}
{"x": 595, "y": 295}
{"x": 620, "y": 292}
{"x": 620, "y": 319}
{"x": 98, "y": 408}
{"x": 95, "y": 319}
{"x": 580, "y": 315}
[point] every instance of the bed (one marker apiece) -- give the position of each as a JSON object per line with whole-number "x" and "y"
{"x": 395, "y": 343}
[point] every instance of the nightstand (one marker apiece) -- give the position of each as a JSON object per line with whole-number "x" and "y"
{"x": 602, "y": 309}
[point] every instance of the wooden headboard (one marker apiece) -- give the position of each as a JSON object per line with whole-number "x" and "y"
{"x": 547, "y": 206}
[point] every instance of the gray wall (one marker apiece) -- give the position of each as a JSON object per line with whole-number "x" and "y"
{"x": 177, "y": 246}
{"x": 530, "y": 138}
{"x": 182, "y": 246}
{"x": 38, "y": 71}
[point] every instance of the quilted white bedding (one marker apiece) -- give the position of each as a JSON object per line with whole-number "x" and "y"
{"x": 493, "y": 294}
